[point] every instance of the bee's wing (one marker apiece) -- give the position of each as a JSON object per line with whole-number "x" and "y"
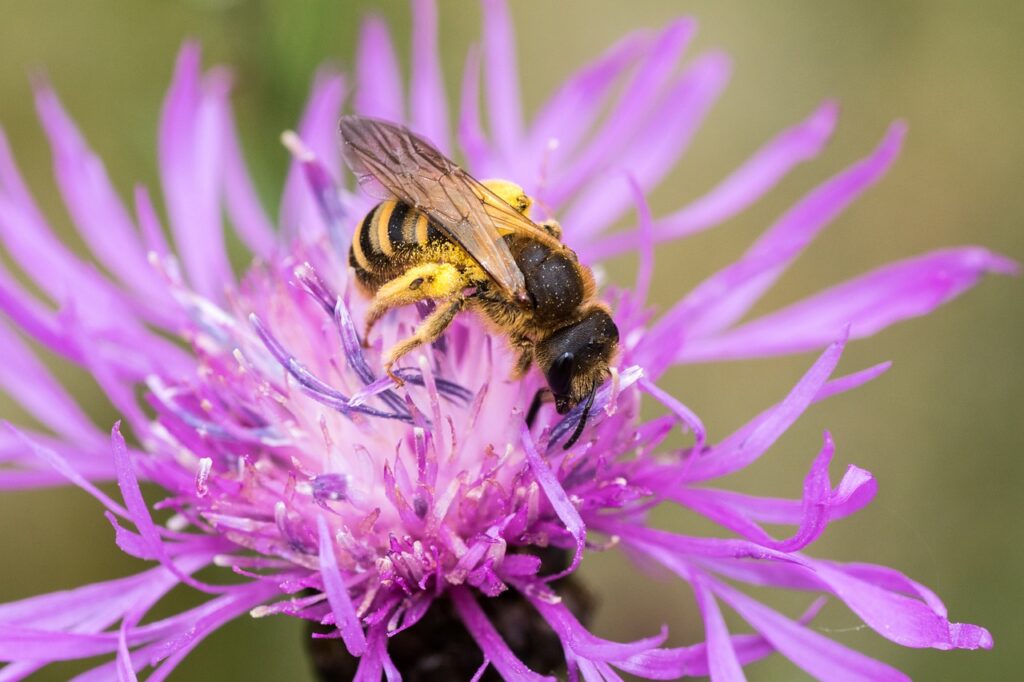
{"x": 416, "y": 173}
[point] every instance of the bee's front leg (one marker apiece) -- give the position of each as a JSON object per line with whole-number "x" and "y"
{"x": 524, "y": 347}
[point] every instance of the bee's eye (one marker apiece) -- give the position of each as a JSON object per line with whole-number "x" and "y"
{"x": 560, "y": 374}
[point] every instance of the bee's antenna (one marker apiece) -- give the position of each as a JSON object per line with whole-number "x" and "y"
{"x": 539, "y": 398}
{"x": 583, "y": 421}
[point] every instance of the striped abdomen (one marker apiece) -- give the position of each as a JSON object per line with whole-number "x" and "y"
{"x": 388, "y": 240}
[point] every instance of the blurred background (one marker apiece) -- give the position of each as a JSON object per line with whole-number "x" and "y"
{"x": 943, "y": 431}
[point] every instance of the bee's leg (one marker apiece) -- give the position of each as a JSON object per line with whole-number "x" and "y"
{"x": 525, "y": 348}
{"x": 423, "y": 282}
{"x": 553, "y": 228}
{"x": 429, "y": 330}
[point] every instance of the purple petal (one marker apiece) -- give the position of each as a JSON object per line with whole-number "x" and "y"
{"x": 676, "y": 551}
{"x": 327, "y": 194}
{"x": 198, "y": 628}
{"x": 28, "y": 381}
{"x": 376, "y": 660}
{"x": 98, "y": 213}
{"x": 248, "y": 217}
{"x": 138, "y": 512}
{"x": 62, "y": 466}
{"x": 125, "y": 671}
{"x": 854, "y": 492}
{"x": 746, "y": 445}
{"x": 378, "y": 79}
{"x": 723, "y": 663}
{"x": 896, "y": 617}
{"x": 19, "y": 671}
{"x": 91, "y": 608}
{"x": 869, "y": 303}
{"x": 645, "y": 269}
{"x": 682, "y": 412}
{"x": 558, "y": 498}
{"x": 692, "y": 661}
{"x": 300, "y": 210}
{"x": 337, "y": 594}
{"x": 744, "y": 186}
{"x": 42, "y": 256}
{"x": 192, "y": 150}
{"x": 426, "y": 85}
{"x": 819, "y": 505}
{"x": 628, "y": 115}
{"x": 569, "y": 113}
{"x": 655, "y": 149}
{"x": 503, "y": 103}
{"x": 471, "y": 135}
{"x": 149, "y": 223}
{"x": 575, "y": 636}
{"x": 20, "y": 644}
{"x": 488, "y": 639}
{"x": 815, "y": 654}
{"x": 726, "y": 296}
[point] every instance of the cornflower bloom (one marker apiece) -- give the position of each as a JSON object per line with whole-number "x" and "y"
{"x": 288, "y": 458}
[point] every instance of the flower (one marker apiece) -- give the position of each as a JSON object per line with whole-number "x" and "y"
{"x": 287, "y": 456}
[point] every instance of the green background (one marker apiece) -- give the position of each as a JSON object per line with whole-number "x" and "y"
{"x": 942, "y": 431}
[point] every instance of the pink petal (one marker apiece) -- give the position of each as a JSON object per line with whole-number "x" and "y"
{"x": 813, "y": 653}
{"x": 52, "y": 266}
{"x": 98, "y": 213}
{"x": 819, "y": 505}
{"x": 378, "y": 79}
{"x": 248, "y": 217}
{"x": 192, "y": 152}
{"x": 723, "y": 663}
{"x": 138, "y": 512}
{"x": 488, "y": 639}
{"x": 318, "y": 128}
{"x": 628, "y": 115}
{"x": 867, "y": 304}
{"x": 756, "y": 177}
{"x": 748, "y": 444}
{"x": 62, "y": 466}
{"x": 655, "y": 150}
{"x": 472, "y": 140}
{"x": 558, "y": 498}
{"x": 570, "y": 112}
{"x": 337, "y": 594}
{"x": 726, "y": 296}
{"x": 575, "y": 636}
{"x": 426, "y": 84}
{"x": 28, "y": 381}
{"x": 503, "y": 103}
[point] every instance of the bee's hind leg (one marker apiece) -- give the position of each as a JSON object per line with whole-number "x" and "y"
{"x": 424, "y": 282}
{"x": 429, "y": 330}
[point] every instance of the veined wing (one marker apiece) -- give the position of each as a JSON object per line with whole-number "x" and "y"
{"x": 416, "y": 173}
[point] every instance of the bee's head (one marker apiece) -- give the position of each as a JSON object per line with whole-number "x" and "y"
{"x": 575, "y": 358}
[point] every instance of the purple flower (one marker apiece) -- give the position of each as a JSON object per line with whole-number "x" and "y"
{"x": 289, "y": 458}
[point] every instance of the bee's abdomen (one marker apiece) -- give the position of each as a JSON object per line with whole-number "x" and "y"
{"x": 388, "y": 239}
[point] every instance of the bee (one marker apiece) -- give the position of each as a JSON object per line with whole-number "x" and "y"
{"x": 443, "y": 236}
